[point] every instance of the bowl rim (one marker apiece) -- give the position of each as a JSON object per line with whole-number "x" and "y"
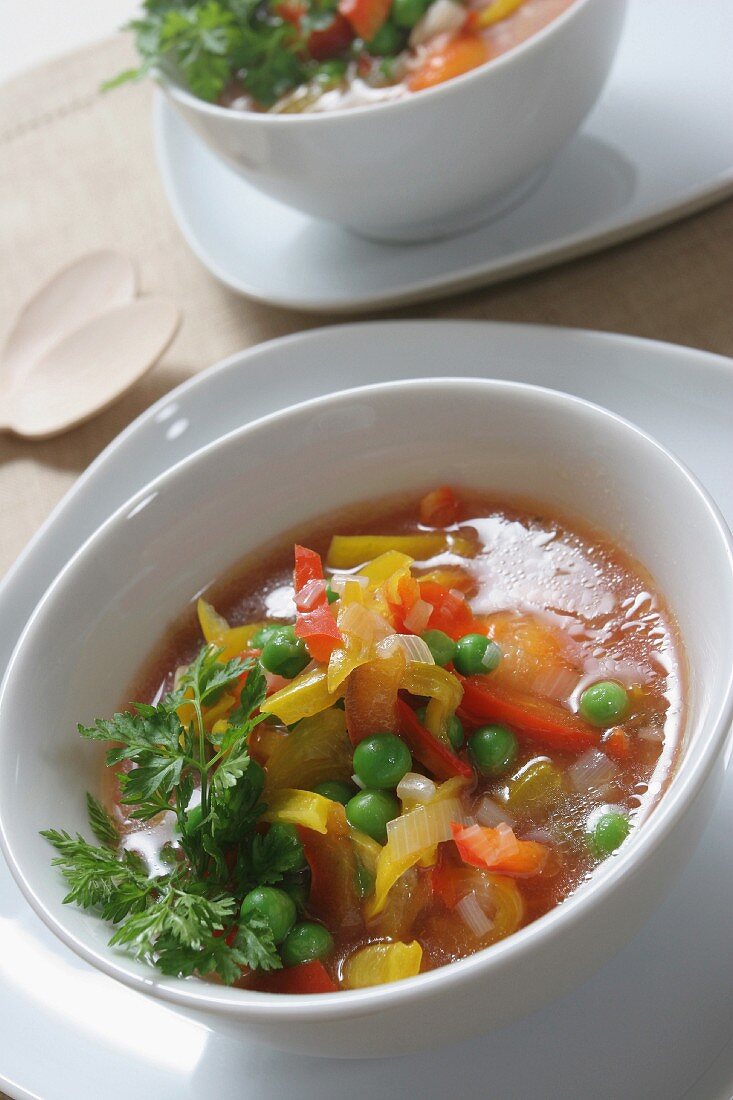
{"x": 251, "y": 1004}
{"x": 177, "y": 91}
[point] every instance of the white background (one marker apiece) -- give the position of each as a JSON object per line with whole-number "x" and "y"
{"x": 36, "y": 30}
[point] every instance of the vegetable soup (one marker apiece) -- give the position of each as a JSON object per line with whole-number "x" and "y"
{"x": 382, "y": 751}
{"x": 291, "y": 56}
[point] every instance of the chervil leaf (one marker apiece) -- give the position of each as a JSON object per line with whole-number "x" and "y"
{"x": 275, "y": 853}
{"x": 99, "y": 878}
{"x": 255, "y": 945}
{"x": 208, "y": 677}
{"x": 101, "y": 823}
{"x": 252, "y": 695}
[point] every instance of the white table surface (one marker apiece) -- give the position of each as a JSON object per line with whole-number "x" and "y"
{"x": 34, "y": 31}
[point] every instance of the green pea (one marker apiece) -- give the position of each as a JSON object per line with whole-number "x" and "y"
{"x": 493, "y": 750}
{"x": 335, "y": 790}
{"x": 270, "y": 630}
{"x": 604, "y": 703}
{"x": 306, "y": 942}
{"x": 381, "y": 761}
{"x": 388, "y": 39}
{"x": 370, "y": 811}
{"x": 456, "y": 734}
{"x": 406, "y": 13}
{"x": 331, "y": 596}
{"x": 440, "y": 645}
{"x": 277, "y": 907}
{"x": 285, "y": 655}
{"x": 476, "y": 653}
{"x": 609, "y": 831}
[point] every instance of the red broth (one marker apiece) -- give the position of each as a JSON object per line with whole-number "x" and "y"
{"x": 567, "y": 610}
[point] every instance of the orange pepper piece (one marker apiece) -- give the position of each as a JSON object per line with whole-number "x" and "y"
{"x": 460, "y": 55}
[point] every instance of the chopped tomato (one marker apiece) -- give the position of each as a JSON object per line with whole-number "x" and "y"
{"x": 451, "y": 612}
{"x": 316, "y": 625}
{"x": 433, "y": 754}
{"x": 544, "y": 721}
{"x": 365, "y": 16}
{"x": 439, "y": 508}
{"x": 459, "y": 56}
{"x": 499, "y": 850}
{"x": 310, "y": 977}
{"x": 331, "y": 39}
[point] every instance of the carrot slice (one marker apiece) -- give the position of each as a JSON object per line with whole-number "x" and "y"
{"x": 459, "y": 56}
{"x": 499, "y": 850}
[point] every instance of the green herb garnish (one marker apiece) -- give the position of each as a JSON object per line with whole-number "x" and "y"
{"x": 188, "y": 920}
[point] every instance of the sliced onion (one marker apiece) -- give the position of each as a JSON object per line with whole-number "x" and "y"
{"x": 414, "y": 787}
{"x": 361, "y": 623}
{"x": 650, "y": 732}
{"x": 418, "y": 616}
{"x": 458, "y": 594}
{"x": 423, "y": 827}
{"x": 355, "y": 779}
{"x": 540, "y": 835}
{"x": 473, "y": 916}
{"x": 442, "y": 17}
{"x": 488, "y": 812}
{"x": 556, "y": 682}
{"x": 591, "y": 770}
{"x": 338, "y": 584}
{"x": 415, "y": 649}
{"x": 309, "y": 594}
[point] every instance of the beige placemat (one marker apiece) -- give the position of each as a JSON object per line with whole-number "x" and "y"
{"x": 77, "y": 172}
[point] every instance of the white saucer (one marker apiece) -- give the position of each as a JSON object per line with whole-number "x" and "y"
{"x": 658, "y": 145}
{"x": 654, "y": 1024}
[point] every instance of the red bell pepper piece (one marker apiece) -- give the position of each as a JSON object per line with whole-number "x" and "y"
{"x": 316, "y": 626}
{"x": 433, "y": 754}
{"x": 310, "y": 977}
{"x": 330, "y": 40}
{"x": 543, "y": 720}
{"x": 451, "y": 613}
{"x": 439, "y": 508}
{"x": 365, "y": 16}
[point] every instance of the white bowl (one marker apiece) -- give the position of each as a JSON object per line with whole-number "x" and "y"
{"x": 438, "y": 161}
{"x": 109, "y": 607}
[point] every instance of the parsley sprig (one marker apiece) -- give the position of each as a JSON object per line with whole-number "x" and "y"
{"x": 210, "y": 42}
{"x": 187, "y": 920}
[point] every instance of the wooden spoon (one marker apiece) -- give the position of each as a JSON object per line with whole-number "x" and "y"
{"x": 87, "y": 369}
{"x": 87, "y": 287}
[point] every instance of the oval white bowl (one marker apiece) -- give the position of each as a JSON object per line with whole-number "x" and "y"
{"x": 436, "y": 162}
{"x": 109, "y": 607}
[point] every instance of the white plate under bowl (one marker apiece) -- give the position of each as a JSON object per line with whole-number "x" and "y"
{"x": 658, "y": 145}
{"x": 653, "y": 1024}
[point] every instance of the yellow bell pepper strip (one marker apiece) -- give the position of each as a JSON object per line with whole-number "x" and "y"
{"x": 450, "y": 576}
{"x": 315, "y": 751}
{"x": 303, "y": 697}
{"x": 314, "y": 622}
{"x": 361, "y": 628}
{"x": 367, "y": 849}
{"x": 233, "y": 640}
{"x": 379, "y": 963}
{"x": 221, "y": 708}
{"x": 496, "y": 11}
{"x": 371, "y": 696}
{"x": 294, "y": 807}
{"x": 443, "y": 690}
{"x": 349, "y": 551}
{"x": 382, "y": 567}
{"x": 413, "y": 838}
